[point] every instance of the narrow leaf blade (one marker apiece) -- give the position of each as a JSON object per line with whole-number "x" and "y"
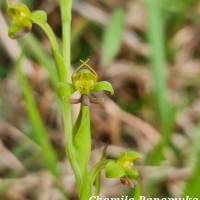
{"x": 37, "y": 124}
{"x": 112, "y": 36}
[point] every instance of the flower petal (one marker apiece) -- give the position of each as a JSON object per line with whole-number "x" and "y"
{"x": 103, "y": 85}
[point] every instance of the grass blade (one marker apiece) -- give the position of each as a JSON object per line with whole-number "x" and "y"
{"x": 37, "y": 124}
{"x": 166, "y": 116}
{"x": 112, "y": 36}
{"x": 36, "y": 49}
{"x": 192, "y": 185}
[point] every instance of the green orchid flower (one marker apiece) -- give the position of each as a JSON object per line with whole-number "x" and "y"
{"x": 84, "y": 81}
{"x": 22, "y": 19}
{"x": 20, "y": 15}
{"x": 123, "y": 167}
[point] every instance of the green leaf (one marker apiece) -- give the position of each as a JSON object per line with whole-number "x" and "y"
{"x": 39, "y": 16}
{"x": 112, "y": 36}
{"x": 136, "y": 192}
{"x": 47, "y": 151}
{"x": 60, "y": 64}
{"x": 82, "y": 138}
{"x": 192, "y": 184}
{"x": 103, "y": 85}
{"x": 113, "y": 170}
{"x": 86, "y": 186}
{"x": 65, "y": 89}
{"x": 35, "y": 50}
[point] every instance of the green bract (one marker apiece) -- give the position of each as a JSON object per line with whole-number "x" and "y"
{"x": 123, "y": 166}
{"x": 20, "y": 15}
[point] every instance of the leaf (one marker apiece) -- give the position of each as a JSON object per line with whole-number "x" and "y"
{"x": 39, "y": 16}
{"x": 35, "y": 49}
{"x": 103, "y": 85}
{"x": 86, "y": 186}
{"x": 113, "y": 170}
{"x": 65, "y": 89}
{"x": 192, "y": 184}
{"x": 82, "y": 138}
{"x": 112, "y": 37}
{"x": 47, "y": 151}
{"x": 59, "y": 63}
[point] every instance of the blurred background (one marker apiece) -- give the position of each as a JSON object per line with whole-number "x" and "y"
{"x": 149, "y": 51}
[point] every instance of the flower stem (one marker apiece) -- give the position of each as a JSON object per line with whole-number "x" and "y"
{"x": 65, "y": 6}
{"x": 96, "y": 169}
{"x": 61, "y": 68}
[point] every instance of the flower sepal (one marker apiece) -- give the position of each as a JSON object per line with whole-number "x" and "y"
{"x": 113, "y": 170}
{"x": 103, "y": 85}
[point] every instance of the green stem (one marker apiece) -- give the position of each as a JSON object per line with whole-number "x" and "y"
{"x": 50, "y": 34}
{"x": 65, "y": 6}
{"x": 96, "y": 169}
{"x": 61, "y": 68}
{"x": 97, "y": 184}
{"x": 98, "y": 178}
